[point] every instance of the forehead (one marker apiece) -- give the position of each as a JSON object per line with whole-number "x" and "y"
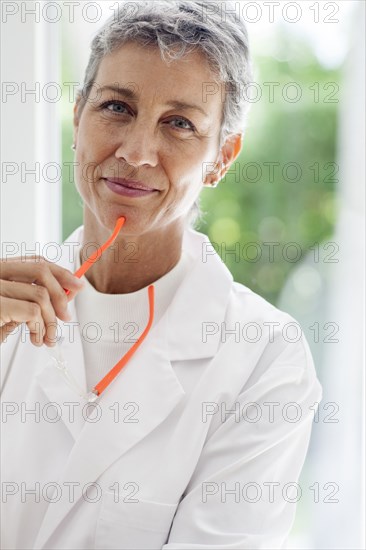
{"x": 142, "y": 70}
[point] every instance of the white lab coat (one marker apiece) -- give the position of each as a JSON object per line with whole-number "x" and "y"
{"x": 158, "y": 464}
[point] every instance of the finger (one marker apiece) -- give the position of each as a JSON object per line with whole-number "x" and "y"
{"x": 43, "y": 273}
{"x": 21, "y": 311}
{"x": 21, "y": 269}
{"x": 38, "y": 294}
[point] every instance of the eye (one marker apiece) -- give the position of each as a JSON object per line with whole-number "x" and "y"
{"x": 120, "y": 108}
{"x": 118, "y": 104}
{"x": 185, "y": 121}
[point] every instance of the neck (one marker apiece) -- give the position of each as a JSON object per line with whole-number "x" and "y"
{"x": 132, "y": 262}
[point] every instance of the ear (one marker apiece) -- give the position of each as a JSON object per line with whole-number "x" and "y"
{"x": 230, "y": 151}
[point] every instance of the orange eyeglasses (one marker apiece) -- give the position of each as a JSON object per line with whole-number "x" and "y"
{"x": 111, "y": 375}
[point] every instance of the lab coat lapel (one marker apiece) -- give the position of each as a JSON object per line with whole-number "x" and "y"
{"x": 50, "y": 379}
{"x": 148, "y": 380}
{"x": 150, "y": 387}
{"x": 52, "y": 382}
{"x": 200, "y": 303}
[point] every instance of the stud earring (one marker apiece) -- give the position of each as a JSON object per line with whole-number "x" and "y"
{"x": 73, "y": 147}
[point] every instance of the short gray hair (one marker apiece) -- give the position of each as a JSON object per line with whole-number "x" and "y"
{"x": 178, "y": 27}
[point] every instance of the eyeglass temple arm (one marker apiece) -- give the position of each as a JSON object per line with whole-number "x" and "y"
{"x": 100, "y": 387}
{"x": 95, "y": 256}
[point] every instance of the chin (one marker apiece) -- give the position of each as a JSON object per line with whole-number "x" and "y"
{"x": 134, "y": 224}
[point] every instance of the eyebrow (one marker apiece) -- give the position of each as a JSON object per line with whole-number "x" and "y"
{"x": 175, "y": 104}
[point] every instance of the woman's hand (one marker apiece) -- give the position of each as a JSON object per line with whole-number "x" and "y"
{"x": 32, "y": 292}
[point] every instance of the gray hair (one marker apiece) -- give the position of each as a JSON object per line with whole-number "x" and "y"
{"x": 178, "y": 27}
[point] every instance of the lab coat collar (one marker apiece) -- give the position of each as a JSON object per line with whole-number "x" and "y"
{"x": 148, "y": 380}
{"x": 201, "y": 298}
{"x": 193, "y": 304}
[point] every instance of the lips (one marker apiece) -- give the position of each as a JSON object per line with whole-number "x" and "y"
{"x": 131, "y": 184}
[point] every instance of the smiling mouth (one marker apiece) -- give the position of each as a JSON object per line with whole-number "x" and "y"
{"x": 131, "y": 184}
{"x": 131, "y": 189}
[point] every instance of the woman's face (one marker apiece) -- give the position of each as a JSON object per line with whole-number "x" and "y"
{"x": 137, "y": 135}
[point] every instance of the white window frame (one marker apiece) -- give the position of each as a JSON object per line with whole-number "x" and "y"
{"x": 31, "y": 210}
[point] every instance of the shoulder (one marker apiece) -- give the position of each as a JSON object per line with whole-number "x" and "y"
{"x": 274, "y": 338}
{"x": 250, "y": 307}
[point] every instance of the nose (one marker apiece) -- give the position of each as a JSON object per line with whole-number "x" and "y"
{"x": 138, "y": 144}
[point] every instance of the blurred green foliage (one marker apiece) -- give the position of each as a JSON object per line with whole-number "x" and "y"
{"x": 72, "y": 206}
{"x": 282, "y": 187}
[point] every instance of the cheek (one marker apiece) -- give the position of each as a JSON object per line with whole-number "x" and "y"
{"x": 187, "y": 164}
{"x": 92, "y": 139}
{"x": 93, "y": 148}
{"x": 185, "y": 174}
{"x": 186, "y": 188}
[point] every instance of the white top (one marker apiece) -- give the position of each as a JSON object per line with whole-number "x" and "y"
{"x": 110, "y": 324}
{"x": 160, "y": 462}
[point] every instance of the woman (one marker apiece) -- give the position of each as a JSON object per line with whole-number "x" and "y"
{"x": 200, "y": 439}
